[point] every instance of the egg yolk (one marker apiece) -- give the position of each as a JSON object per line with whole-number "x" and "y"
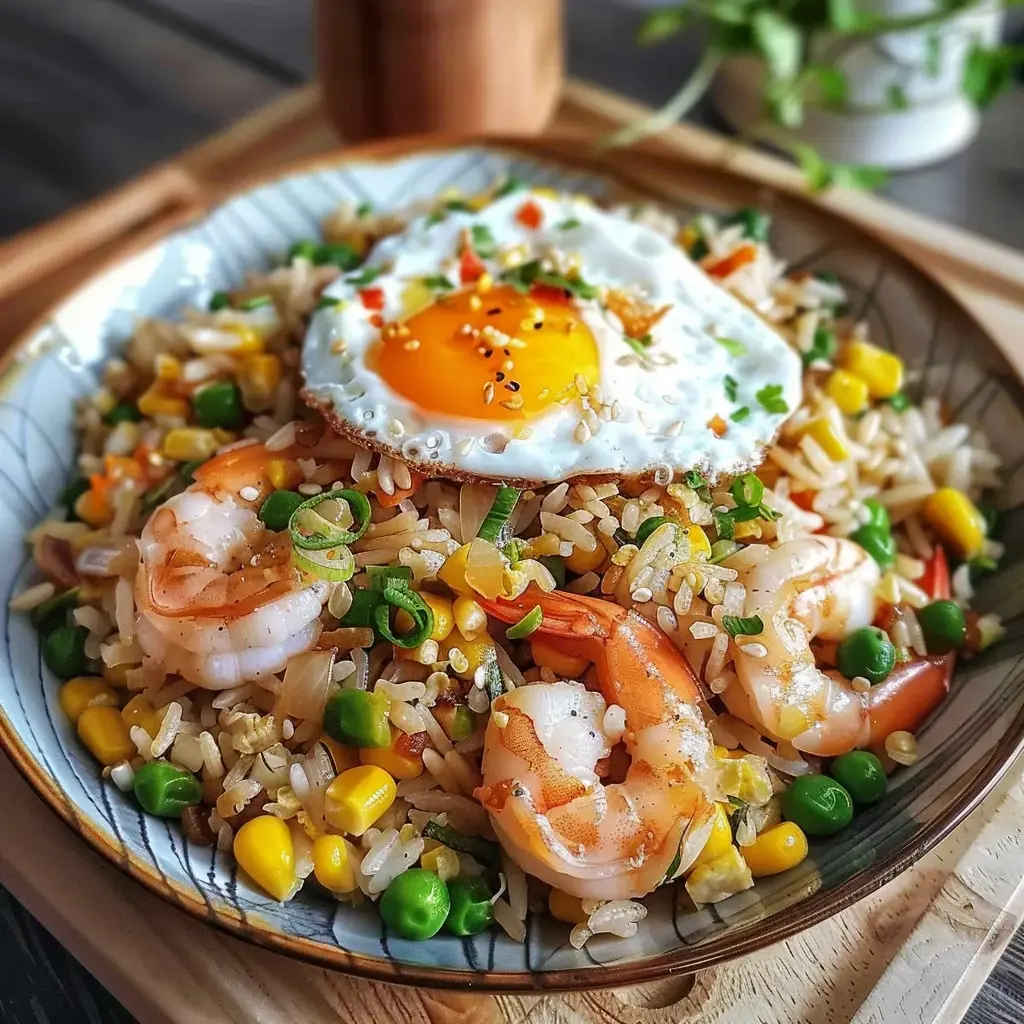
{"x": 494, "y": 355}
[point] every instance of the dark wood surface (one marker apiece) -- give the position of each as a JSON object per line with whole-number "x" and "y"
{"x": 94, "y": 91}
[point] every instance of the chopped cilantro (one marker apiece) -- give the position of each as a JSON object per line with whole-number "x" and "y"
{"x": 523, "y": 277}
{"x": 736, "y": 625}
{"x": 770, "y": 399}
{"x": 733, "y": 347}
{"x": 364, "y": 209}
{"x": 740, "y": 414}
{"x": 483, "y": 241}
{"x": 822, "y": 349}
{"x": 438, "y": 283}
{"x": 324, "y": 302}
{"x": 731, "y": 384}
{"x": 367, "y": 276}
{"x": 457, "y": 206}
{"x": 636, "y": 346}
{"x": 508, "y": 187}
{"x": 568, "y": 225}
{"x": 435, "y": 218}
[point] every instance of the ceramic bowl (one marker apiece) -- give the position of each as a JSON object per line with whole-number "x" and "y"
{"x": 963, "y": 748}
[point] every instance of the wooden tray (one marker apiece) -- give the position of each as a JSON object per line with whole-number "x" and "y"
{"x": 916, "y": 950}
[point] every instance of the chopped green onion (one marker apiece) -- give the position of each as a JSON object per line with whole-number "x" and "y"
{"x": 523, "y": 277}
{"x": 457, "y": 206}
{"x": 381, "y": 576}
{"x": 364, "y": 209}
{"x": 306, "y": 249}
{"x": 332, "y": 564}
{"x": 574, "y": 285}
{"x": 187, "y": 470}
{"x": 71, "y": 492}
{"x": 555, "y": 565}
{"x": 256, "y": 302}
{"x": 218, "y": 300}
{"x": 771, "y": 400}
{"x": 482, "y": 850}
{"x": 494, "y": 681}
{"x": 731, "y": 384}
{"x": 756, "y": 223}
{"x": 736, "y": 625}
{"x": 123, "y": 412}
{"x": 747, "y": 490}
{"x": 635, "y": 345}
{"x": 499, "y": 513}
{"x": 434, "y": 218}
{"x": 325, "y": 302}
{"x": 411, "y": 602}
{"x": 513, "y": 550}
{"x": 438, "y": 283}
{"x": 484, "y": 244}
{"x": 528, "y": 624}
{"x": 364, "y": 603}
{"x": 723, "y": 549}
{"x": 367, "y": 276}
{"x": 900, "y": 402}
{"x": 53, "y": 612}
{"x": 822, "y": 349}
{"x": 697, "y": 481}
{"x": 312, "y": 532}
{"x": 568, "y": 225}
{"x": 337, "y": 254}
{"x": 508, "y": 187}
{"x": 732, "y": 346}
{"x": 276, "y": 511}
{"x": 740, "y": 414}
{"x": 648, "y": 526}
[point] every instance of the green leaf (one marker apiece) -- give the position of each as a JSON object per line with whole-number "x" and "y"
{"x": 736, "y": 625}
{"x": 635, "y": 345}
{"x": 740, "y": 414}
{"x": 484, "y": 244}
{"x": 568, "y": 225}
{"x": 733, "y": 347}
{"x": 832, "y": 87}
{"x": 932, "y": 54}
{"x": 896, "y": 97}
{"x": 862, "y": 177}
{"x": 784, "y": 102}
{"x": 732, "y": 39}
{"x": 770, "y": 399}
{"x": 780, "y": 41}
{"x": 663, "y": 24}
{"x": 730, "y": 384}
{"x": 988, "y": 72}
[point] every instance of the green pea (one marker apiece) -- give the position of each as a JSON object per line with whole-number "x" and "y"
{"x": 64, "y": 651}
{"x": 337, "y": 255}
{"x": 219, "y": 405}
{"x": 862, "y": 774}
{"x": 123, "y": 412}
{"x": 165, "y": 790}
{"x": 648, "y": 526}
{"x": 278, "y": 508}
{"x": 358, "y": 718}
{"x": 878, "y": 543}
{"x": 470, "y": 912}
{"x": 818, "y": 804}
{"x": 756, "y": 223}
{"x": 943, "y": 625}
{"x": 867, "y": 652}
{"x": 415, "y": 904}
{"x": 555, "y": 565}
{"x": 879, "y": 514}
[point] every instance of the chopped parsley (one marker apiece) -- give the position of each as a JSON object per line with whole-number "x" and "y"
{"x": 635, "y": 345}
{"x": 525, "y": 276}
{"x": 568, "y": 225}
{"x": 364, "y": 209}
{"x": 457, "y": 206}
{"x": 510, "y": 186}
{"x": 731, "y": 384}
{"x": 256, "y": 302}
{"x": 484, "y": 244}
{"x": 367, "y": 276}
{"x": 770, "y": 399}
{"x": 435, "y": 218}
{"x": 438, "y": 283}
{"x": 732, "y": 346}
{"x": 740, "y": 414}
{"x": 324, "y": 302}
{"x": 822, "y": 349}
{"x": 736, "y": 625}
{"x": 725, "y": 522}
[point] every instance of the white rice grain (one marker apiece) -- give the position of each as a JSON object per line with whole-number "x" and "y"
{"x": 32, "y": 597}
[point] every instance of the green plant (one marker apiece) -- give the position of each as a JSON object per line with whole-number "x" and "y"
{"x": 800, "y": 43}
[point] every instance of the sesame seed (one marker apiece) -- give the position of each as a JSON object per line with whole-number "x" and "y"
{"x": 537, "y": 315}
{"x": 494, "y": 311}
{"x": 411, "y": 345}
{"x": 526, "y": 325}
{"x": 512, "y": 385}
{"x": 674, "y": 429}
{"x": 582, "y": 433}
{"x": 309, "y": 489}
{"x": 516, "y": 343}
{"x": 475, "y": 302}
{"x": 488, "y": 393}
{"x": 544, "y": 393}
{"x": 508, "y": 365}
{"x": 249, "y": 493}
{"x": 581, "y": 383}
{"x": 513, "y": 403}
{"x": 481, "y": 350}
{"x": 466, "y": 329}
{"x": 484, "y": 283}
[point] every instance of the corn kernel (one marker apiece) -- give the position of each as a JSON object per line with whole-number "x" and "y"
{"x": 157, "y": 400}
{"x": 393, "y": 759}
{"x": 469, "y": 617}
{"x": 186, "y": 443}
{"x": 258, "y": 377}
{"x": 719, "y": 839}
{"x": 442, "y": 861}
{"x": 167, "y": 367}
{"x": 699, "y": 543}
{"x": 102, "y": 729}
{"x": 848, "y": 392}
{"x": 747, "y": 530}
{"x": 567, "y": 908}
{"x": 284, "y": 474}
{"x": 249, "y": 341}
{"x": 117, "y": 675}
{"x": 581, "y": 561}
{"x": 880, "y": 370}
{"x": 453, "y": 572}
{"x": 139, "y": 711}
{"x": 957, "y": 521}
{"x": 334, "y": 864}
{"x": 776, "y": 849}
{"x": 265, "y": 850}
{"x": 565, "y": 666}
{"x": 822, "y": 430}
{"x": 358, "y": 797}
{"x": 476, "y": 652}
{"x": 85, "y": 692}
{"x": 444, "y": 621}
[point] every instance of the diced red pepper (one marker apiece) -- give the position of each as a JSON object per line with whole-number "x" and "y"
{"x": 803, "y": 499}
{"x": 549, "y": 293}
{"x": 935, "y": 581}
{"x": 376, "y": 320}
{"x": 530, "y": 215}
{"x": 730, "y": 264}
{"x": 471, "y": 267}
{"x": 400, "y": 493}
{"x": 718, "y": 426}
{"x": 372, "y": 298}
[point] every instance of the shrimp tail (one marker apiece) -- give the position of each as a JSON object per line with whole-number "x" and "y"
{"x": 910, "y": 694}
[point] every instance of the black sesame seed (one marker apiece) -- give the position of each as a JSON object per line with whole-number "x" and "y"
{"x": 494, "y": 312}
{"x": 499, "y": 376}
{"x": 512, "y": 385}
{"x": 506, "y": 351}
{"x": 489, "y": 353}
{"x": 572, "y": 713}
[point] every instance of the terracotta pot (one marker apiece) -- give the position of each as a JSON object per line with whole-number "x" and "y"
{"x": 395, "y": 67}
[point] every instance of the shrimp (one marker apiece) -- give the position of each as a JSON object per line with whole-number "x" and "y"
{"x": 541, "y": 787}
{"x": 822, "y": 587}
{"x": 219, "y": 600}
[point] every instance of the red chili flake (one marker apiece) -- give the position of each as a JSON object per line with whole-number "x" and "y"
{"x": 718, "y": 426}
{"x": 549, "y": 293}
{"x": 376, "y": 320}
{"x": 530, "y": 215}
{"x": 730, "y": 264}
{"x": 803, "y": 499}
{"x": 471, "y": 267}
{"x": 373, "y": 298}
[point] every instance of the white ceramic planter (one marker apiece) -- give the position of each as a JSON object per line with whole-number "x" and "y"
{"x": 939, "y": 121}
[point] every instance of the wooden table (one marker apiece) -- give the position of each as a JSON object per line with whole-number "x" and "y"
{"x": 943, "y": 925}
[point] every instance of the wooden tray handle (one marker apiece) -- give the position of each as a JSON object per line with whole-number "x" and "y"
{"x": 41, "y": 264}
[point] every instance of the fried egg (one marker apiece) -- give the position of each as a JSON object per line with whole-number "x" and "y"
{"x": 542, "y": 338}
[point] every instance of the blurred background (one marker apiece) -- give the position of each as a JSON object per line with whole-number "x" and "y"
{"x": 93, "y": 92}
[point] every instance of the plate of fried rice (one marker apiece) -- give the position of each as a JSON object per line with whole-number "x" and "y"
{"x": 474, "y": 565}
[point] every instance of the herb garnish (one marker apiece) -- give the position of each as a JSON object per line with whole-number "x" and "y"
{"x": 483, "y": 241}
{"x": 771, "y": 400}
{"x": 736, "y": 625}
{"x": 732, "y": 346}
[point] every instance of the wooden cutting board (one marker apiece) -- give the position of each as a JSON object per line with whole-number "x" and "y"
{"x": 916, "y": 950}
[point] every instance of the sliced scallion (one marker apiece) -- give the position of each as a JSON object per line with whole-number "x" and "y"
{"x": 411, "y": 602}
{"x": 334, "y": 564}
{"x": 482, "y": 850}
{"x": 528, "y": 624}
{"x": 736, "y": 625}
{"x": 747, "y": 490}
{"x": 499, "y": 513}
{"x": 381, "y": 576}
{"x": 311, "y": 531}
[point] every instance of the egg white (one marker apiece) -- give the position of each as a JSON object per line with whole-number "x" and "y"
{"x": 663, "y": 403}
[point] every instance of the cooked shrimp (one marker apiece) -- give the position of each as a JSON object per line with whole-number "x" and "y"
{"x": 549, "y": 808}
{"x": 822, "y": 587}
{"x": 219, "y": 599}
